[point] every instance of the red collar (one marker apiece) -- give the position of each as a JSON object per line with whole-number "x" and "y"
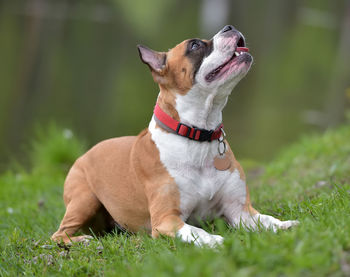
{"x": 170, "y": 124}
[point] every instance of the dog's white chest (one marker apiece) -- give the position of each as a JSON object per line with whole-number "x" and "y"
{"x": 200, "y": 184}
{"x": 200, "y": 192}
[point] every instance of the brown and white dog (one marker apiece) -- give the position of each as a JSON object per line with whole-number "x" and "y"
{"x": 178, "y": 170}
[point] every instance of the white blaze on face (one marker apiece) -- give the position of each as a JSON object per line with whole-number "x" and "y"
{"x": 223, "y": 50}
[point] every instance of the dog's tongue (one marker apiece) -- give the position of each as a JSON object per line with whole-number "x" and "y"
{"x": 242, "y": 49}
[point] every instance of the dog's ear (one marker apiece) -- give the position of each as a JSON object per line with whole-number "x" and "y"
{"x": 155, "y": 60}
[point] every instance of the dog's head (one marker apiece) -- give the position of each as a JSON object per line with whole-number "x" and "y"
{"x": 205, "y": 64}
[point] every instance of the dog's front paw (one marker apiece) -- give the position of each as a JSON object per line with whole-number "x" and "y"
{"x": 213, "y": 241}
{"x": 288, "y": 224}
{"x": 198, "y": 236}
{"x": 274, "y": 224}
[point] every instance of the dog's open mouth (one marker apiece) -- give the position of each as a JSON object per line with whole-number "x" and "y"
{"x": 240, "y": 50}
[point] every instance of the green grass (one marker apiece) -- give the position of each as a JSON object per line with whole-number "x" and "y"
{"x": 309, "y": 181}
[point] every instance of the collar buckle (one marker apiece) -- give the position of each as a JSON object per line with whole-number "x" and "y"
{"x": 180, "y": 130}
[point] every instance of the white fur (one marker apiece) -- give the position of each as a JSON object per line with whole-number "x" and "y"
{"x": 206, "y": 192}
{"x": 198, "y": 236}
{"x": 224, "y": 48}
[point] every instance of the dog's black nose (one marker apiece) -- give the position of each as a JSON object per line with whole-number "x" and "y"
{"x": 228, "y": 28}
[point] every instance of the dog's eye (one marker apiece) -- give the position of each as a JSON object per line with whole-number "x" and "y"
{"x": 194, "y": 45}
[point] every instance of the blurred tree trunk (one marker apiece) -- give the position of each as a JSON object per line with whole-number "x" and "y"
{"x": 340, "y": 79}
{"x": 214, "y": 15}
{"x": 26, "y": 71}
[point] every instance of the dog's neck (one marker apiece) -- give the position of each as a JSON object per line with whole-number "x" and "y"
{"x": 199, "y": 108}
{"x": 202, "y": 109}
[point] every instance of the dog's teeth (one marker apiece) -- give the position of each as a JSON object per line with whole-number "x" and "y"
{"x": 236, "y": 53}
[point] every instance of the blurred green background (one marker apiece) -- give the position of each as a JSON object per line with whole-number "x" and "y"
{"x": 75, "y": 63}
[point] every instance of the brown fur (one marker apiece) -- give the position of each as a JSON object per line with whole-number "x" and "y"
{"x": 179, "y": 70}
{"x": 176, "y": 78}
{"x": 127, "y": 176}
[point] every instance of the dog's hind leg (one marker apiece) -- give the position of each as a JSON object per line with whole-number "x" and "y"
{"x": 82, "y": 206}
